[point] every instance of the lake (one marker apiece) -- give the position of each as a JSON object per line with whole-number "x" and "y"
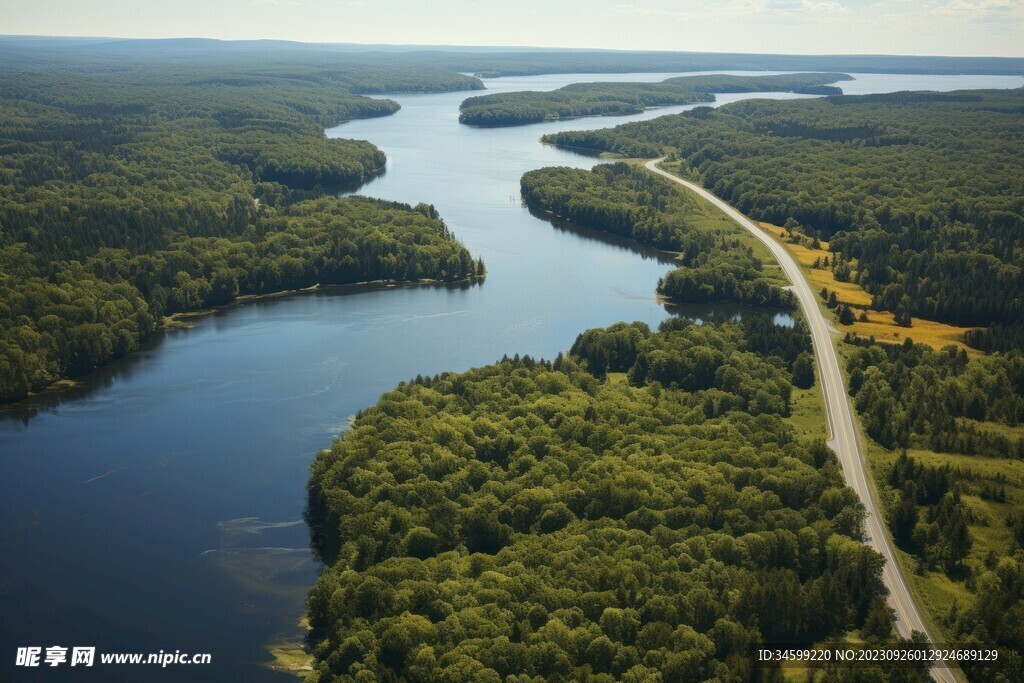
{"x": 158, "y": 506}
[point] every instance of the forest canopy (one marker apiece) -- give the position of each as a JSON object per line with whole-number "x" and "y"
{"x": 921, "y": 194}
{"x": 950, "y": 427}
{"x": 496, "y": 64}
{"x": 127, "y": 195}
{"x": 910, "y": 396}
{"x": 715, "y": 266}
{"x": 529, "y": 518}
{"x": 619, "y": 99}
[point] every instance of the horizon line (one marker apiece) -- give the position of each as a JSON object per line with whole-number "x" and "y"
{"x": 459, "y": 47}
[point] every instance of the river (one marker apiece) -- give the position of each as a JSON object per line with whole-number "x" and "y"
{"x": 158, "y": 506}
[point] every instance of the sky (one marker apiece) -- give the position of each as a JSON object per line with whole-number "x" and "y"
{"x": 924, "y": 27}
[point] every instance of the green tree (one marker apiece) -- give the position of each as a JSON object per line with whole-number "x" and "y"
{"x": 803, "y": 371}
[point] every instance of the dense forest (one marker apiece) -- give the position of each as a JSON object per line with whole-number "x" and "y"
{"x": 127, "y": 195}
{"x": 638, "y": 509}
{"x": 922, "y": 194}
{"x": 198, "y": 61}
{"x": 546, "y": 519}
{"x": 934, "y": 403}
{"x": 619, "y": 99}
{"x": 714, "y": 264}
{"x": 909, "y": 395}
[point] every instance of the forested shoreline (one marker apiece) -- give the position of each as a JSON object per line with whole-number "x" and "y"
{"x": 920, "y": 194}
{"x": 131, "y": 194}
{"x": 484, "y": 63}
{"x": 528, "y": 63}
{"x": 546, "y": 519}
{"x": 620, "y": 99}
{"x": 644, "y": 507}
{"x": 639, "y": 507}
{"x": 714, "y": 266}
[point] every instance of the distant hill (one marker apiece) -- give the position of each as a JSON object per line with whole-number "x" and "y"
{"x": 490, "y": 62}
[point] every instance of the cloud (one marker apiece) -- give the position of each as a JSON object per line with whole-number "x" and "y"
{"x": 804, "y": 6}
{"x": 983, "y": 10}
{"x": 733, "y": 9}
{"x": 955, "y": 6}
{"x": 827, "y": 7}
{"x": 996, "y": 18}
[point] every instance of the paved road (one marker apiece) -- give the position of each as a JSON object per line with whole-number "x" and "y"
{"x": 840, "y": 417}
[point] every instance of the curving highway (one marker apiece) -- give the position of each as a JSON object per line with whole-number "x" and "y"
{"x": 840, "y": 417}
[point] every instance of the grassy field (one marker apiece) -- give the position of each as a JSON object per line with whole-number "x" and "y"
{"x": 990, "y": 532}
{"x": 808, "y": 412}
{"x": 879, "y": 324}
{"x": 812, "y": 257}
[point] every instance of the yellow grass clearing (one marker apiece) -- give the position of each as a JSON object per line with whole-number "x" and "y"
{"x": 936, "y": 335}
{"x": 880, "y": 324}
{"x": 803, "y": 254}
{"x": 846, "y": 292}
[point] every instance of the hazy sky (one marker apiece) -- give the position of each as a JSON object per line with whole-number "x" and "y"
{"x": 949, "y": 27}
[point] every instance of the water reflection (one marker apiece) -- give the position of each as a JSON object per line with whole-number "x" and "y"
{"x": 123, "y": 369}
{"x": 716, "y": 314}
{"x": 644, "y": 251}
{"x": 76, "y": 389}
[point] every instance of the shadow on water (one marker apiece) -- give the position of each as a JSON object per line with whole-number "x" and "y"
{"x": 77, "y": 388}
{"x": 699, "y": 313}
{"x": 568, "y": 226}
{"x": 716, "y": 314}
{"x": 123, "y": 369}
{"x": 582, "y": 152}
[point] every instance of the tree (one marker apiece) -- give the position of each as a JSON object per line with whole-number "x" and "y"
{"x": 402, "y": 636}
{"x": 878, "y": 624}
{"x": 160, "y": 191}
{"x": 902, "y": 314}
{"x": 620, "y": 199}
{"x": 617, "y": 99}
{"x": 803, "y": 371}
{"x": 904, "y": 518}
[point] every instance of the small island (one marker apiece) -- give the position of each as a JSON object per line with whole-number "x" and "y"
{"x": 620, "y": 99}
